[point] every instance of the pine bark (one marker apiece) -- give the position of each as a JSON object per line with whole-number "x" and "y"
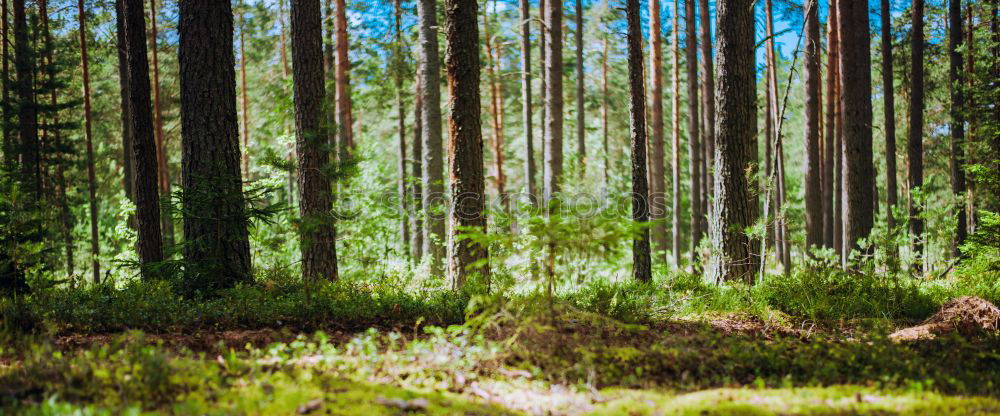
{"x": 95, "y": 247}
{"x": 417, "y": 245}
{"x": 27, "y": 117}
{"x": 8, "y": 144}
{"x": 245, "y": 102}
{"x": 657, "y": 186}
{"x": 956, "y": 77}
{"x": 312, "y": 140}
{"x": 554, "y": 100}
{"x": 813, "y": 187}
{"x": 604, "y": 118}
{"x": 345, "y": 118}
{"x": 830, "y": 134}
{"x": 641, "y": 264}
{"x": 675, "y": 143}
{"x": 856, "y": 101}
{"x": 736, "y": 127}
{"x": 581, "y": 142}
{"x": 147, "y": 196}
{"x": 402, "y": 189}
{"x": 915, "y": 146}
{"x": 496, "y": 109}
{"x": 889, "y": 125}
{"x": 465, "y": 141}
{"x": 433, "y": 156}
{"x": 526, "y": 104}
{"x": 128, "y": 160}
{"x": 694, "y": 138}
{"x": 163, "y": 172}
{"x": 707, "y": 102}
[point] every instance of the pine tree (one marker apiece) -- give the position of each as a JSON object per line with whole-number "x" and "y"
{"x": 641, "y": 268}
{"x": 657, "y": 186}
{"x": 857, "y": 109}
{"x": 433, "y": 157}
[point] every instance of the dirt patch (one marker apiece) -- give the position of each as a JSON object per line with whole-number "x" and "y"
{"x": 967, "y": 315}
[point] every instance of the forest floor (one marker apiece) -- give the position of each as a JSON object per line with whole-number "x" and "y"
{"x": 518, "y": 357}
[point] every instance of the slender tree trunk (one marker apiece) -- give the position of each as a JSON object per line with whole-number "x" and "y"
{"x": 27, "y": 118}
{"x": 95, "y": 247}
{"x": 466, "y": 141}
{"x": 657, "y": 185}
{"x": 312, "y": 140}
{"x": 641, "y": 264}
{"x": 915, "y": 146}
{"x": 329, "y": 36}
{"x": 543, "y": 86}
{"x": 675, "y": 131}
{"x": 604, "y": 118}
{"x": 147, "y": 197}
{"x": 282, "y": 43}
{"x": 769, "y": 137}
{"x": 957, "y": 128}
{"x": 970, "y": 69}
{"x": 417, "y": 246}
{"x": 8, "y": 145}
{"x": 736, "y": 127}
{"x": 433, "y": 157}
{"x": 345, "y": 119}
{"x": 775, "y": 162}
{"x": 401, "y": 185}
{"x": 128, "y": 158}
{"x": 831, "y": 133}
{"x": 554, "y": 100}
{"x": 707, "y": 103}
{"x": 215, "y": 221}
{"x": 694, "y": 138}
{"x": 526, "y": 97}
{"x": 496, "y": 107}
{"x": 163, "y": 173}
{"x": 581, "y": 142}
{"x": 813, "y": 191}
{"x": 856, "y": 101}
{"x": 246, "y": 99}
{"x": 889, "y": 128}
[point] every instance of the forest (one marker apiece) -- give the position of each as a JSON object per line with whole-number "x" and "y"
{"x": 500, "y": 207}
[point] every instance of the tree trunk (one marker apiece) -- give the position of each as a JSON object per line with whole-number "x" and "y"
{"x": 889, "y": 128}
{"x": 401, "y": 184}
{"x": 736, "y": 127}
{"x": 312, "y": 140}
{"x": 526, "y": 97}
{"x": 581, "y": 143}
{"x": 657, "y": 186}
{"x": 95, "y": 247}
{"x": 707, "y": 103}
{"x": 27, "y": 117}
{"x": 773, "y": 143}
{"x": 831, "y": 133}
{"x": 345, "y": 119}
{"x": 147, "y": 197}
{"x": 543, "y": 85}
{"x": 329, "y": 35}
{"x": 554, "y": 101}
{"x": 433, "y": 157}
{"x": 641, "y": 264}
{"x": 856, "y": 101}
{"x": 128, "y": 159}
{"x": 468, "y": 258}
{"x": 957, "y": 120}
{"x": 246, "y": 99}
{"x": 8, "y": 144}
{"x": 282, "y": 43}
{"x": 694, "y": 138}
{"x": 813, "y": 190}
{"x": 417, "y": 246}
{"x": 675, "y": 131}
{"x": 163, "y": 172}
{"x": 915, "y": 146}
{"x": 604, "y": 119}
{"x": 496, "y": 108}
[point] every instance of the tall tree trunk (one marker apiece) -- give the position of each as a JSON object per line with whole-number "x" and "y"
{"x": 774, "y": 142}
{"x": 970, "y": 68}
{"x": 554, "y": 100}
{"x": 657, "y": 186}
{"x": 707, "y": 103}
{"x": 496, "y": 107}
{"x": 831, "y": 134}
{"x": 581, "y": 142}
{"x": 401, "y": 183}
{"x": 675, "y": 131}
{"x": 694, "y": 138}
{"x": 813, "y": 191}
{"x": 8, "y": 145}
{"x": 543, "y": 85}
{"x": 526, "y": 97}
{"x": 329, "y": 36}
{"x": 604, "y": 118}
{"x": 417, "y": 246}
{"x": 856, "y": 101}
{"x": 312, "y": 140}
{"x": 163, "y": 174}
{"x": 889, "y": 128}
{"x": 27, "y": 117}
{"x": 957, "y": 120}
{"x": 245, "y": 102}
{"x": 128, "y": 158}
{"x": 147, "y": 197}
{"x": 465, "y": 141}
{"x": 769, "y": 138}
{"x": 641, "y": 264}
{"x": 345, "y": 119}
{"x": 915, "y": 146}
{"x": 95, "y": 247}
{"x": 282, "y": 42}
{"x": 736, "y": 127}
{"x": 433, "y": 157}
{"x": 215, "y": 224}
